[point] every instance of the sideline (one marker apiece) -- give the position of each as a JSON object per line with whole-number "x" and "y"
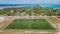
{"x": 11, "y": 20}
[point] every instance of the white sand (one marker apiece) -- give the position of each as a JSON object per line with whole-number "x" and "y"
{"x": 2, "y": 19}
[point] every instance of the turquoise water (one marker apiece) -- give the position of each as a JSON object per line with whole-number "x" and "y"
{"x": 51, "y": 6}
{"x": 26, "y": 5}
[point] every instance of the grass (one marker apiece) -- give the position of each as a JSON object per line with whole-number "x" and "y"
{"x": 41, "y": 24}
{"x": 58, "y": 17}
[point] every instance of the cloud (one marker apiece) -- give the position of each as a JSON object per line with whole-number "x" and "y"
{"x": 29, "y": 1}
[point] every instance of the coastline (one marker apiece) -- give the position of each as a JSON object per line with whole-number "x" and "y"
{"x": 55, "y": 6}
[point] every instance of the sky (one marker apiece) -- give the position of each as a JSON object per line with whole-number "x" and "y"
{"x": 29, "y": 1}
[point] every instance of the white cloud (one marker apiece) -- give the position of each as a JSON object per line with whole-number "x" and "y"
{"x": 29, "y": 1}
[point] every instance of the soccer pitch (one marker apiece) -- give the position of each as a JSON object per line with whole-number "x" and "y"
{"x": 41, "y": 24}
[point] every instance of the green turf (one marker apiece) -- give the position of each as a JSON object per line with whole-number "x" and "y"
{"x": 41, "y": 24}
{"x": 58, "y": 17}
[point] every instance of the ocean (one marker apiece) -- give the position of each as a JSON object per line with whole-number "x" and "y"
{"x": 27, "y": 5}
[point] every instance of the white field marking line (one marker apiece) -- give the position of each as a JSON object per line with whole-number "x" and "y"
{"x": 8, "y": 24}
{"x": 3, "y": 24}
{"x": 58, "y": 23}
{"x": 51, "y": 24}
{"x": 57, "y": 18}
